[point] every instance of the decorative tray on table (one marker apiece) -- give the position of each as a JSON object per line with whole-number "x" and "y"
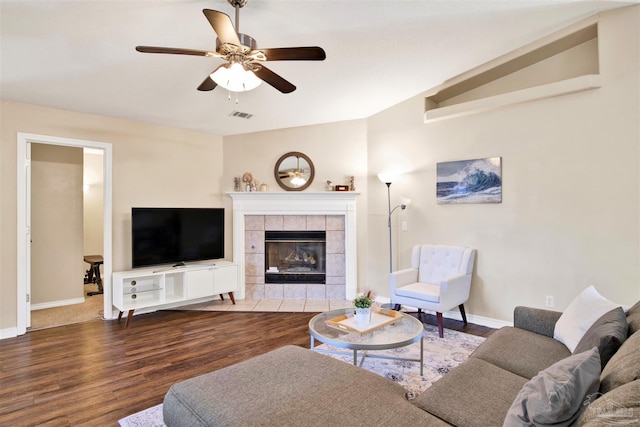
{"x": 380, "y": 317}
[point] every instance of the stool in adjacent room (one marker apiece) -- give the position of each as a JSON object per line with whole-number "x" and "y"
{"x": 93, "y": 274}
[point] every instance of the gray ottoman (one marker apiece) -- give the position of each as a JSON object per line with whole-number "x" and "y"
{"x": 291, "y": 386}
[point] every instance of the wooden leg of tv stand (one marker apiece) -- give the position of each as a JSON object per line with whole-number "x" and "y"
{"x": 233, "y": 300}
{"x": 129, "y": 316}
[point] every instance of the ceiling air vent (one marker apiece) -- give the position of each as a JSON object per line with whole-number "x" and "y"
{"x": 241, "y": 115}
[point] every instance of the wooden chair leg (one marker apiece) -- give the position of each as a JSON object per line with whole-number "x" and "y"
{"x": 440, "y": 325}
{"x": 464, "y": 315}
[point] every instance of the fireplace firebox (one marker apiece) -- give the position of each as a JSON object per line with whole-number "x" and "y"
{"x": 295, "y": 257}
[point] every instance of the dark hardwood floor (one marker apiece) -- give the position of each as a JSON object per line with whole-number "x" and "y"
{"x": 96, "y": 372}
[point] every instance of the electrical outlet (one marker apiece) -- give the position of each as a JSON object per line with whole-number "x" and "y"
{"x": 548, "y": 301}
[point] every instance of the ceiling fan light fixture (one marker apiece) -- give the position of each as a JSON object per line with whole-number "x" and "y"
{"x": 235, "y": 77}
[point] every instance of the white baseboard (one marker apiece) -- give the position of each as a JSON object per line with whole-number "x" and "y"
{"x": 478, "y": 320}
{"x": 8, "y": 333}
{"x": 60, "y": 303}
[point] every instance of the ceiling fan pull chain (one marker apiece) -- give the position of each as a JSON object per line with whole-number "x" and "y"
{"x": 236, "y": 97}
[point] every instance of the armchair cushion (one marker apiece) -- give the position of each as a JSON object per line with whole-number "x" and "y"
{"x": 421, "y": 291}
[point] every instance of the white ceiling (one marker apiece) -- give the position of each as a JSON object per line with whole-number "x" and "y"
{"x": 79, "y": 55}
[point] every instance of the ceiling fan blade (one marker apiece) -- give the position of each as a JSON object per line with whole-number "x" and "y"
{"x": 208, "y": 83}
{"x": 223, "y": 26}
{"x": 174, "y": 50}
{"x": 308, "y": 53}
{"x": 273, "y": 79}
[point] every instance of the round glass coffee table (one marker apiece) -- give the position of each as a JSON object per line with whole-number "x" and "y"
{"x": 403, "y": 332}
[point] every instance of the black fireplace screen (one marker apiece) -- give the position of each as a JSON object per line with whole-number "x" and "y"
{"x": 295, "y": 256}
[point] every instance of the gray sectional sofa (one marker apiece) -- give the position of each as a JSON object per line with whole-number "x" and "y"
{"x": 292, "y": 386}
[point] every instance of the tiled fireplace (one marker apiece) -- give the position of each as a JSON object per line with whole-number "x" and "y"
{"x": 295, "y": 245}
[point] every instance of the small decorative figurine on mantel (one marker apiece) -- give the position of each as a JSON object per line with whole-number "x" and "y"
{"x": 247, "y": 178}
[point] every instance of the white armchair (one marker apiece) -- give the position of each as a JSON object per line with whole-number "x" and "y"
{"x": 439, "y": 279}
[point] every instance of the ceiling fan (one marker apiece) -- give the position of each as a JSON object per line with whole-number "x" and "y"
{"x": 244, "y": 69}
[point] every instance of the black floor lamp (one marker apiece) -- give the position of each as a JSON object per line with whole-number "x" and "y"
{"x": 387, "y": 179}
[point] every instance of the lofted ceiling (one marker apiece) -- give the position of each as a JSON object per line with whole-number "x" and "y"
{"x": 80, "y": 55}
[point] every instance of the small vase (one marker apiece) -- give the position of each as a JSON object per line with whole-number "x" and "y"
{"x": 363, "y": 316}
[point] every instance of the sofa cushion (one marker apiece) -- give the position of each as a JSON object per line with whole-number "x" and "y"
{"x": 620, "y": 406}
{"x": 555, "y": 396}
{"x": 290, "y": 386}
{"x": 623, "y": 367}
{"x": 473, "y": 394}
{"x": 581, "y": 313}
{"x": 521, "y": 352}
{"x": 608, "y": 334}
{"x": 633, "y": 318}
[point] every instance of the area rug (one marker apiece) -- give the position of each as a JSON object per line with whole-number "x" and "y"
{"x": 440, "y": 356}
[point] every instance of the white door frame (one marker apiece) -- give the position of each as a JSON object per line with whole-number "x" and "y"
{"x": 24, "y": 221}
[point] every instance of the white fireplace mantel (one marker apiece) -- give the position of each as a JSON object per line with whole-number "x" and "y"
{"x": 297, "y": 203}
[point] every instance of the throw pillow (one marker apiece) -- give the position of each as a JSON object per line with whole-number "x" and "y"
{"x": 555, "y": 395}
{"x": 607, "y": 333}
{"x": 583, "y": 311}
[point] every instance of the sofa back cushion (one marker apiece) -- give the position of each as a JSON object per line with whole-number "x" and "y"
{"x": 608, "y": 334}
{"x": 623, "y": 367}
{"x": 633, "y": 318}
{"x": 619, "y": 407}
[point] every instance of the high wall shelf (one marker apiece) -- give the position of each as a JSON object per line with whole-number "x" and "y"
{"x": 161, "y": 287}
{"x": 564, "y": 62}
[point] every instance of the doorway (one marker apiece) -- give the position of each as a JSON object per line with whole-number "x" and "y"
{"x": 24, "y": 221}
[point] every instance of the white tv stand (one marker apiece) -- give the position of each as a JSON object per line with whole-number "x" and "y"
{"x": 158, "y": 287}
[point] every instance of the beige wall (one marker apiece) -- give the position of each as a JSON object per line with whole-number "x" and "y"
{"x": 56, "y": 225}
{"x": 570, "y": 211}
{"x": 571, "y": 165}
{"x": 152, "y": 166}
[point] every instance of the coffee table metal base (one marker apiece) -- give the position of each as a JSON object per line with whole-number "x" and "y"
{"x": 366, "y": 354}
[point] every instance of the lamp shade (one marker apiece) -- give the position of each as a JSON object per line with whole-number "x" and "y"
{"x": 235, "y": 77}
{"x": 387, "y": 177}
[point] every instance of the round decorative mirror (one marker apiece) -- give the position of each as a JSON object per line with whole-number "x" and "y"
{"x": 294, "y": 171}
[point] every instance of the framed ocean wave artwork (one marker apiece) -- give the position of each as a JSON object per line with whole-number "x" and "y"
{"x": 469, "y": 181}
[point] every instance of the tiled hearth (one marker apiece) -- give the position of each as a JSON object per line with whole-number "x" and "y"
{"x": 269, "y": 305}
{"x": 333, "y": 212}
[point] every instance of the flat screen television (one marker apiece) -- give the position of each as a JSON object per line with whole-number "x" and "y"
{"x": 176, "y": 235}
